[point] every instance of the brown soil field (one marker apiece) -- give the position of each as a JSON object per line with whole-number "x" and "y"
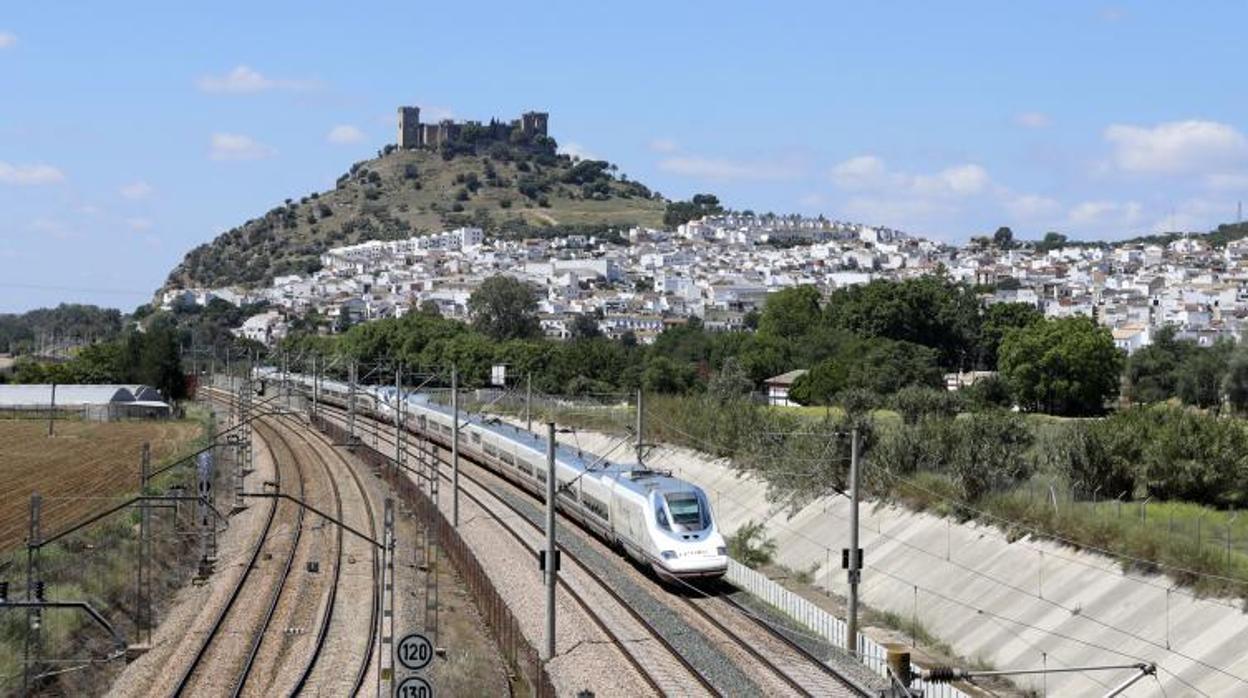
{"x": 83, "y": 469}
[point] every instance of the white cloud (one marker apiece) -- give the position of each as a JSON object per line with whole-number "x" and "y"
{"x": 136, "y": 190}
{"x": 961, "y": 180}
{"x": 1033, "y": 119}
{"x": 244, "y": 80}
{"x": 344, "y": 134}
{"x": 434, "y": 113}
{"x": 871, "y": 173}
{"x": 1227, "y": 182}
{"x": 665, "y": 146}
{"x": 233, "y": 146}
{"x": 578, "y": 151}
{"x": 7, "y": 40}
{"x": 862, "y": 172}
{"x": 29, "y": 175}
{"x": 1113, "y": 14}
{"x": 1177, "y": 147}
{"x": 52, "y": 228}
{"x": 1105, "y": 213}
{"x": 700, "y": 167}
{"x": 139, "y": 224}
{"x": 1031, "y": 207}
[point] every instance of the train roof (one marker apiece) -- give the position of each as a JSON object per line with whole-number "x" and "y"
{"x": 639, "y": 480}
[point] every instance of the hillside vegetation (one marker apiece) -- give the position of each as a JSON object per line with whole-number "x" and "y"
{"x": 509, "y": 188}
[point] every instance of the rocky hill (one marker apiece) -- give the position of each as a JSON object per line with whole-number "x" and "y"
{"x": 507, "y": 186}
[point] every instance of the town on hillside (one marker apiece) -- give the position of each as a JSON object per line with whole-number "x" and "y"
{"x": 720, "y": 268}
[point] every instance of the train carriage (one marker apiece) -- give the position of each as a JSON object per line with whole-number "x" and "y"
{"x": 660, "y": 521}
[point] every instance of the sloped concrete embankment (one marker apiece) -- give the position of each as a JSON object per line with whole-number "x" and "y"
{"x": 1021, "y": 604}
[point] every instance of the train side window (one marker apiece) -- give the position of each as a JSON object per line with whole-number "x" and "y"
{"x": 476, "y": 437}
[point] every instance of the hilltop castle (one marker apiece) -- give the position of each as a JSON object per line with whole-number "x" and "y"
{"x": 413, "y": 134}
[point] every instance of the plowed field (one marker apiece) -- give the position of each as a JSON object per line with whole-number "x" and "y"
{"x": 83, "y": 469}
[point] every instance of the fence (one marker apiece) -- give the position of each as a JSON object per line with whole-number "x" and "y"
{"x": 507, "y": 631}
{"x": 109, "y": 412}
{"x": 827, "y": 626}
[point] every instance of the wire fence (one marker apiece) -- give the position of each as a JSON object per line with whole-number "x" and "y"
{"x": 827, "y": 626}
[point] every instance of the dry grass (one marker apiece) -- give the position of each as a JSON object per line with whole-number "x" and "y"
{"x": 78, "y": 469}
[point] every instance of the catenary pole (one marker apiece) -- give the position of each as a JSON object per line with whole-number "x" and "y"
{"x": 640, "y": 414}
{"x": 528, "y": 403}
{"x": 549, "y": 561}
{"x": 855, "y": 573}
{"x": 454, "y": 446}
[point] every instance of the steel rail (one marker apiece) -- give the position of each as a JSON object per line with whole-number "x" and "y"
{"x": 658, "y": 635}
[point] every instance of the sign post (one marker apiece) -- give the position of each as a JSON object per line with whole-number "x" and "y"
{"x": 414, "y": 653}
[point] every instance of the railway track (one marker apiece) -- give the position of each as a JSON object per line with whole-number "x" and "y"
{"x": 662, "y": 679}
{"x": 796, "y": 667}
{"x": 198, "y": 674}
{"x": 261, "y": 651}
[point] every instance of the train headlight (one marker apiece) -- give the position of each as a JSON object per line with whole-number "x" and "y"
{"x": 722, "y": 550}
{"x": 668, "y": 554}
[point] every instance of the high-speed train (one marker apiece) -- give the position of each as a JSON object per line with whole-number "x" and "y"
{"x": 656, "y": 519}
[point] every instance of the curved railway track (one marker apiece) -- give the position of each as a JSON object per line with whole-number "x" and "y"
{"x": 275, "y": 435}
{"x": 195, "y": 670}
{"x": 361, "y": 672}
{"x": 801, "y": 669}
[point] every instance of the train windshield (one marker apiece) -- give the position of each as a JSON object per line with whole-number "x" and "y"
{"x": 686, "y": 510}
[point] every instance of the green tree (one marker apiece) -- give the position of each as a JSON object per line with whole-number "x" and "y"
{"x": 1065, "y": 366}
{"x": 1199, "y": 376}
{"x": 429, "y": 307}
{"x": 916, "y": 402}
{"x": 1235, "y": 383}
{"x": 930, "y": 310}
{"x": 1152, "y": 371}
{"x": 662, "y": 375}
{"x": 1003, "y": 239}
{"x": 989, "y": 452}
{"x": 998, "y": 319}
{"x": 585, "y": 326}
{"x": 730, "y": 383}
{"x": 160, "y": 364}
{"x": 790, "y": 313}
{"x": 504, "y": 308}
{"x": 1052, "y": 241}
{"x": 680, "y": 212}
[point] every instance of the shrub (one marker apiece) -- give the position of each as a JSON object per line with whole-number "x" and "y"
{"x": 916, "y": 402}
{"x": 750, "y": 546}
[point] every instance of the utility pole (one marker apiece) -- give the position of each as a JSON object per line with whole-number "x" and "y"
{"x": 34, "y": 616}
{"x": 351, "y": 406}
{"x": 528, "y": 402}
{"x": 550, "y": 560}
{"x": 398, "y": 420}
{"x": 143, "y": 607}
{"x": 52, "y": 412}
{"x": 855, "y": 556}
{"x": 640, "y": 443}
{"x": 314, "y": 381}
{"x": 454, "y": 446}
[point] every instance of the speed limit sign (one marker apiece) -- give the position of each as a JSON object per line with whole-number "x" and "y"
{"x": 414, "y": 652}
{"x": 414, "y": 687}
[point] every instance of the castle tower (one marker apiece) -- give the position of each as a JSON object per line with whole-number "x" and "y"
{"x": 410, "y": 133}
{"x": 534, "y": 122}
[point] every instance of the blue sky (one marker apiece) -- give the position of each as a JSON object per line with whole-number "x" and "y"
{"x": 131, "y": 132}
